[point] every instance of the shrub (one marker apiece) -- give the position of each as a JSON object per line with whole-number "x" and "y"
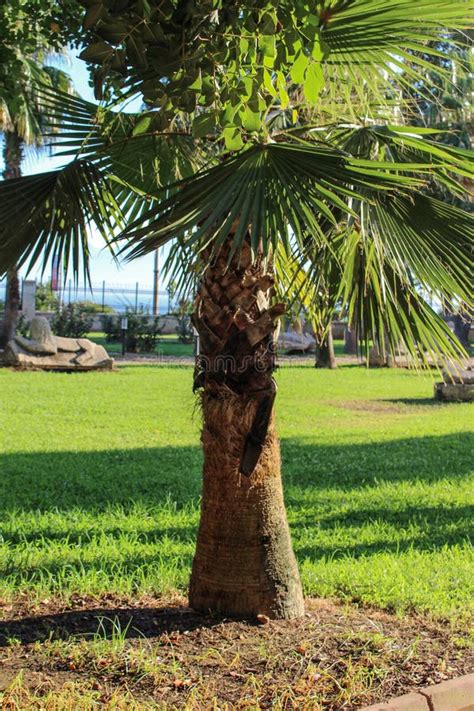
{"x": 23, "y": 327}
{"x": 142, "y": 332}
{"x": 90, "y": 307}
{"x": 184, "y": 329}
{"x": 70, "y": 321}
{"x": 46, "y": 299}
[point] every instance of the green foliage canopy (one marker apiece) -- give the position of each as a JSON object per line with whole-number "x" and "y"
{"x": 229, "y": 64}
{"x": 280, "y": 118}
{"x": 30, "y": 31}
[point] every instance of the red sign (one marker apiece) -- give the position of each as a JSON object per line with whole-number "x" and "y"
{"x": 55, "y": 274}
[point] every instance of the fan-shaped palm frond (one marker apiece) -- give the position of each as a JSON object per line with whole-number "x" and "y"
{"x": 126, "y": 145}
{"x": 295, "y": 191}
{"x": 451, "y": 167}
{"x": 47, "y": 215}
{"x": 378, "y": 49}
{"x": 379, "y": 298}
{"x": 388, "y": 307}
{"x": 275, "y": 189}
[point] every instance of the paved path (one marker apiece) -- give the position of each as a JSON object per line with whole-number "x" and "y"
{"x": 453, "y": 695}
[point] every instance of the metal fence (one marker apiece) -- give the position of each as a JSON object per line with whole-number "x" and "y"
{"x": 120, "y": 297}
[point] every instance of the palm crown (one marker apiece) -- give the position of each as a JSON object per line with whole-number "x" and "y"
{"x": 277, "y": 123}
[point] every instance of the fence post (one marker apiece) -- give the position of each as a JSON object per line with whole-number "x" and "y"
{"x": 156, "y": 295}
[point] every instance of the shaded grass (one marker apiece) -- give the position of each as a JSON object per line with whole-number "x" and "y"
{"x": 100, "y": 480}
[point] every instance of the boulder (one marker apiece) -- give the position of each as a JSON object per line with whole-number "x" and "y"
{"x": 47, "y": 352}
{"x": 457, "y": 385}
{"x": 290, "y": 342}
{"x": 463, "y": 376}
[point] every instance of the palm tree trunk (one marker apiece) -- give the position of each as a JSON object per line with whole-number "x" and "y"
{"x": 350, "y": 340}
{"x": 325, "y": 357}
{"x": 12, "y": 307}
{"x": 244, "y": 563}
{"x": 462, "y": 327}
{"x": 12, "y": 155}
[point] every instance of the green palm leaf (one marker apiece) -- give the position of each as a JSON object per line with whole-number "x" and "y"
{"x": 277, "y": 188}
{"x": 127, "y": 145}
{"x": 389, "y": 309}
{"x": 48, "y": 215}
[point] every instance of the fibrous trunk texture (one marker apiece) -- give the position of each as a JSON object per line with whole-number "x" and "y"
{"x": 12, "y": 156}
{"x": 325, "y": 357}
{"x": 244, "y": 563}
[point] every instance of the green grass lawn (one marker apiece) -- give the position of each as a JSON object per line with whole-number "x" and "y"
{"x": 168, "y": 345}
{"x": 100, "y": 481}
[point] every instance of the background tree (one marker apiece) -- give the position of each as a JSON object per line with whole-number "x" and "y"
{"x": 30, "y": 31}
{"x": 226, "y": 71}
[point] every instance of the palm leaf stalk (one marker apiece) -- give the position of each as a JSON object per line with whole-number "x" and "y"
{"x": 245, "y": 77}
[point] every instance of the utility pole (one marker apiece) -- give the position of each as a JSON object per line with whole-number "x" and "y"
{"x": 156, "y": 272}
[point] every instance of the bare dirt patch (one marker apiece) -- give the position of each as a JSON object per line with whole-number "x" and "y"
{"x": 155, "y": 653}
{"x": 401, "y": 406}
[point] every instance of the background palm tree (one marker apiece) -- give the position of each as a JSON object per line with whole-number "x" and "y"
{"x": 23, "y": 123}
{"x": 236, "y": 191}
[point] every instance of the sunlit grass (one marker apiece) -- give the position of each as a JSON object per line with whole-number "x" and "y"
{"x": 100, "y": 480}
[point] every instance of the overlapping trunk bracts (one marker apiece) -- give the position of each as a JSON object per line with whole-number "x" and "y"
{"x": 244, "y": 563}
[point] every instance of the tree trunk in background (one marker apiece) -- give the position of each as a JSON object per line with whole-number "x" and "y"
{"x": 350, "y": 340}
{"x": 244, "y": 564}
{"x": 12, "y": 156}
{"x": 462, "y": 327}
{"x": 325, "y": 357}
{"x": 12, "y": 307}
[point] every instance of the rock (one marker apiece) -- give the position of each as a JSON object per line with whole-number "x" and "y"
{"x": 289, "y": 342}
{"x": 47, "y": 352}
{"x": 454, "y": 392}
{"x": 399, "y": 358}
{"x": 457, "y": 385}
{"x": 464, "y": 376}
{"x": 377, "y": 359}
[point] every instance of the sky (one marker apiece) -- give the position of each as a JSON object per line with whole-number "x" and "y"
{"x": 103, "y": 266}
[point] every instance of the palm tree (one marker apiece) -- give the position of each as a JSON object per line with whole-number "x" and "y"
{"x": 23, "y": 124}
{"x": 238, "y": 191}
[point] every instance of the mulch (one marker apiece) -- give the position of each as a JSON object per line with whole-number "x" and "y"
{"x": 336, "y": 657}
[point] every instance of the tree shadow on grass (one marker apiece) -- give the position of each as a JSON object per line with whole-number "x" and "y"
{"x": 429, "y": 402}
{"x": 76, "y": 490}
{"x": 128, "y": 566}
{"x": 97, "y": 480}
{"x": 181, "y": 534}
{"x": 309, "y": 466}
{"x": 439, "y": 527}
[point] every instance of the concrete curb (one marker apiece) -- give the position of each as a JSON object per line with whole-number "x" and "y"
{"x": 454, "y": 695}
